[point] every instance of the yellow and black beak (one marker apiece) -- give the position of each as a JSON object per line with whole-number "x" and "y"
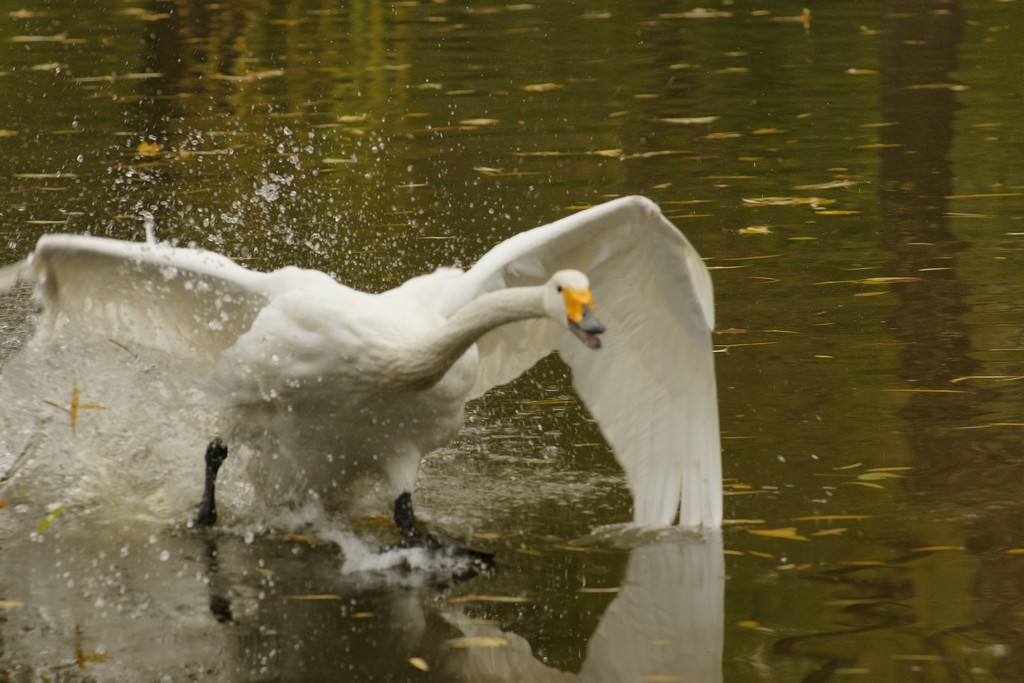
{"x": 582, "y": 321}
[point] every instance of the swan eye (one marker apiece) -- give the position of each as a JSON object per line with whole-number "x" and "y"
{"x": 559, "y": 288}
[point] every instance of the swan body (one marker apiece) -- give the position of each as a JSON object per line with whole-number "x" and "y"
{"x": 329, "y": 383}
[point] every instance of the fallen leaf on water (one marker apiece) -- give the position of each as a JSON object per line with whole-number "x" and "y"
{"x": 148, "y": 149}
{"x": 838, "y": 531}
{"x": 863, "y": 483}
{"x": 419, "y": 663}
{"x": 56, "y": 38}
{"x": 300, "y": 538}
{"x": 473, "y": 597}
{"x": 11, "y": 603}
{"x": 829, "y": 518}
{"x": 689, "y": 120}
{"x": 477, "y": 641}
{"x": 936, "y": 548}
{"x": 747, "y": 623}
{"x": 487, "y": 535}
{"x": 890, "y": 469}
{"x": 697, "y": 13}
{"x": 542, "y": 87}
{"x": 837, "y": 212}
{"x": 614, "y": 153}
{"x": 787, "y": 201}
{"x": 49, "y": 519}
{"x": 829, "y": 185}
{"x": 44, "y": 176}
{"x": 250, "y": 76}
{"x": 479, "y": 122}
{"x": 873, "y": 281}
{"x": 1015, "y": 551}
{"x": 755, "y": 230}
{"x": 925, "y": 391}
{"x": 865, "y": 294}
{"x": 849, "y": 467}
{"x": 614, "y": 589}
{"x": 1000, "y": 378}
{"x": 788, "y": 532}
{"x": 955, "y": 87}
{"x": 362, "y": 615}
{"x": 876, "y": 476}
{"x": 861, "y": 563}
{"x": 979, "y": 196}
{"x": 758, "y": 553}
{"x": 860, "y": 72}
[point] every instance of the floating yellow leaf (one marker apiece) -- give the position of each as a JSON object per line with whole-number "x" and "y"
{"x": 877, "y": 476}
{"x": 787, "y": 201}
{"x": 48, "y": 520}
{"x": 755, "y": 230}
{"x": 300, "y": 538}
{"x": 758, "y": 553}
{"x": 614, "y": 589}
{"x": 362, "y": 615}
{"x": 697, "y": 13}
{"x": 837, "y": 212}
{"x": 890, "y": 469}
{"x": 477, "y": 641}
{"x": 860, "y": 72}
{"x": 979, "y": 196}
{"x": 689, "y": 120}
{"x": 788, "y": 532}
{"x": 866, "y": 484}
{"x": 925, "y": 391}
{"x": 829, "y": 518}
{"x": 479, "y": 122}
{"x": 44, "y": 176}
{"x": 935, "y": 548}
{"x": 838, "y": 531}
{"x": 767, "y": 131}
{"x": 1015, "y": 551}
{"x": 419, "y": 663}
{"x": 747, "y": 623}
{"x": 11, "y": 603}
{"x": 542, "y": 87}
{"x": 867, "y": 294}
{"x": 148, "y": 149}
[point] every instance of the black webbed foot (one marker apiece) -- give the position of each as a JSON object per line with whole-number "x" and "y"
{"x": 475, "y": 561}
{"x": 216, "y": 454}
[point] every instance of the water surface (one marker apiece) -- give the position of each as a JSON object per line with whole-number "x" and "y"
{"x": 869, "y": 326}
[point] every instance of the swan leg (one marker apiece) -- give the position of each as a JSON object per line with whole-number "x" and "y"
{"x": 412, "y": 537}
{"x": 405, "y": 519}
{"x": 216, "y": 454}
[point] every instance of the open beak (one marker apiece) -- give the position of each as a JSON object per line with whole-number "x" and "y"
{"x": 582, "y": 321}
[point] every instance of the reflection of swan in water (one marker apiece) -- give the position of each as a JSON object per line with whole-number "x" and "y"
{"x": 136, "y": 601}
{"x": 666, "y": 623}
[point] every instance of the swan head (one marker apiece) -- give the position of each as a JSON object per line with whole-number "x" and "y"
{"x": 567, "y": 300}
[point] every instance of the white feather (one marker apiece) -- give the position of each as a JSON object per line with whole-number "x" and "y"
{"x": 334, "y": 382}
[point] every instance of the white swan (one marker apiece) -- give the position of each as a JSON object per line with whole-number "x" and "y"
{"x": 337, "y": 382}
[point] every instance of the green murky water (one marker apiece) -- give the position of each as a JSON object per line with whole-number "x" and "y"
{"x": 869, "y": 320}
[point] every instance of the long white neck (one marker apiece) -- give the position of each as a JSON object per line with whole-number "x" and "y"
{"x": 428, "y": 363}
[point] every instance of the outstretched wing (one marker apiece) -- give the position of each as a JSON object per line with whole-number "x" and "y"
{"x": 184, "y": 301}
{"x": 652, "y": 387}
